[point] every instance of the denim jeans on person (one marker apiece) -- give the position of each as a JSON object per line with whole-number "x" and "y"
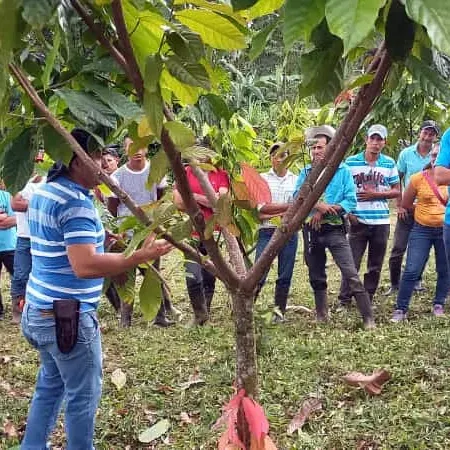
{"x": 421, "y": 240}
{"x": 286, "y": 263}
{"x": 22, "y": 268}
{"x": 75, "y": 377}
{"x": 376, "y": 238}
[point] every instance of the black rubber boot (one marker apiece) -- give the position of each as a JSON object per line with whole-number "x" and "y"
{"x": 198, "y": 302}
{"x": 161, "y": 319}
{"x": 321, "y": 301}
{"x": 208, "y": 299}
{"x": 364, "y": 305}
{"x": 281, "y": 297}
{"x": 113, "y": 297}
{"x": 126, "y": 312}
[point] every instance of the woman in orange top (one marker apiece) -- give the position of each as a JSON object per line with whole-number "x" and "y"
{"x": 428, "y": 202}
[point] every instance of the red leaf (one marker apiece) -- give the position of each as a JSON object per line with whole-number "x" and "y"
{"x": 258, "y": 189}
{"x": 229, "y": 417}
{"x": 256, "y": 419}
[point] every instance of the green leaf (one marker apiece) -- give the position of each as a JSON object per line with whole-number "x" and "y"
{"x": 193, "y": 74}
{"x": 300, "y": 18}
{"x": 162, "y": 214}
{"x": 159, "y": 165}
{"x": 352, "y": 20}
{"x": 128, "y": 223}
{"x": 186, "y": 44}
{"x": 138, "y": 143}
{"x": 39, "y": 12}
{"x": 150, "y": 296}
{"x": 135, "y": 241}
{"x": 51, "y": 58}
{"x": 153, "y": 107}
{"x": 118, "y": 102}
{"x": 260, "y": 39}
{"x": 153, "y": 69}
{"x": 56, "y": 146}
{"x": 434, "y": 15}
{"x": 185, "y": 95}
{"x": 430, "y": 81}
{"x": 154, "y": 432}
{"x": 106, "y": 65}
{"x": 18, "y": 161}
{"x": 181, "y": 230}
{"x": 87, "y": 109}
{"x": 180, "y": 134}
{"x": 215, "y": 30}
{"x": 262, "y": 8}
{"x": 218, "y": 106}
{"x": 198, "y": 152}
{"x": 362, "y": 80}
{"x": 399, "y": 24}
{"x": 239, "y": 5}
{"x": 127, "y": 291}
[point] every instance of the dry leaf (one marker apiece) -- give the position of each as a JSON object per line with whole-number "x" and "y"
{"x": 119, "y": 379}
{"x": 309, "y": 406}
{"x": 6, "y": 359}
{"x": 9, "y": 429}
{"x": 299, "y": 308}
{"x": 154, "y": 432}
{"x": 193, "y": 379}
{"x": 372, "y": 384}
{"x": 185, "y": 419}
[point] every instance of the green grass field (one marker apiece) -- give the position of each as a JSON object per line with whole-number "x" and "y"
{"x": 297, "y": 360}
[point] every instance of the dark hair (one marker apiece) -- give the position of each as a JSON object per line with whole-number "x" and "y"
{"x": 327, "y": 138}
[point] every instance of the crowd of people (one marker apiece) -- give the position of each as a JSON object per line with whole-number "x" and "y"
{"x": 52, "y": 244}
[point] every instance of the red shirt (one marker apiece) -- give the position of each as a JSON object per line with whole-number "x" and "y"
{"x": 217, "y": 178}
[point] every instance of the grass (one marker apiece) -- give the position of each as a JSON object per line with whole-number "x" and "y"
{"x": 296, "y": 360}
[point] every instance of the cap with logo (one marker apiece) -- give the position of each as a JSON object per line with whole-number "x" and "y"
{"x": 430, "y": 124}
{"x": 381, "y": 130}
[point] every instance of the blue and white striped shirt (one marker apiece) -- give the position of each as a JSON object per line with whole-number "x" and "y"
{"x": 380, "y": 177}
{"x": 61, "y": 213}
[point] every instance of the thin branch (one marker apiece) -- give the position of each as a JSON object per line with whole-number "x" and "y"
{"x": 128, "y": 53}
{"x": 189, "y": 251}
{"x": 323, "y": 172}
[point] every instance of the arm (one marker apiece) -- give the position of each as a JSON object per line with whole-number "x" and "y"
{"x": 409, "y": 196}
{"x": 442, "y": 175}
{"x": 7, "y": 221}
{"x": 348, "y": 204}
{"x": 19, "y": 204}
{"x": 86, "y": 263}
{"x": 177, "y": 200}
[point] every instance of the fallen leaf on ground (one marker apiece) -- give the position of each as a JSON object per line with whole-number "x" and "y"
{"x": 119, "y": 379}
{"x": 9, "y": 429}
{"x": 154, "y": 432}
{"x": 309, "y": 406}
{"x": 299, "y": 308}
{"x": 193, "y": 379}
{"x": 372, "y": 384}
{"x": 185, "y": 419}
{"x": 5, "y": 359}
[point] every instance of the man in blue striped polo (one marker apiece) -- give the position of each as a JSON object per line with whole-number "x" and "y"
{"x": 376, "y": 178}
{"x": 68, "y": 263}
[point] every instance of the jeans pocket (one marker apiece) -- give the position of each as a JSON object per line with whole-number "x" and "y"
{"x": 88, "y": 327}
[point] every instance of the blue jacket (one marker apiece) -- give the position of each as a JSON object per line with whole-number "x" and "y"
{"x": 341, "y": 190}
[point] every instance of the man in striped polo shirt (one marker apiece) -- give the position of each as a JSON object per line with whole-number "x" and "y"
{"x": 376, "y": 178}
{"x": 281, "y": 183}
{"x": 68, "y": 263}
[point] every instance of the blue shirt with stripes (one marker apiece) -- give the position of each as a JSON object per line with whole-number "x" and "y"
{"x": 61, "y": 213}
{"x": 379, "y": 177}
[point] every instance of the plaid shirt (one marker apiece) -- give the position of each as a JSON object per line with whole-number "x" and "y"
{"x": 281, "y": 188}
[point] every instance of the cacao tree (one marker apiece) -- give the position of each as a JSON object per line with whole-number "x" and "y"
{"x": 111, "y": 65}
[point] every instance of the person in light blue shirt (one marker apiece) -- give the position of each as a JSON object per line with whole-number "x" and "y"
{"x": 8, "y": 235}
{"x": 410, "y": 161}
{"x": 324, "y": 228}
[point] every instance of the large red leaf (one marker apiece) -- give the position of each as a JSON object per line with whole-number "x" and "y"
{"x": 257, "y": 187}
{"x": 256, "y": 419}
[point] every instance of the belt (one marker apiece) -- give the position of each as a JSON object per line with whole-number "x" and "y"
{"x": 47, "y": 312}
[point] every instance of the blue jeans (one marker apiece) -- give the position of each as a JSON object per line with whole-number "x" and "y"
{"x": 286, "y": 262}
{"x": 22, "y": 268}
{"x": 421, "y": 240}
{"x": 75, "y": 377}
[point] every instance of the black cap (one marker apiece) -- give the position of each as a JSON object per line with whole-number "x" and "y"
{"x": 111, "y": 149}
{"x": 430, "y": 124}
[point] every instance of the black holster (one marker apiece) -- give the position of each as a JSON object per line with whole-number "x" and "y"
{"x": 67, "y": 315}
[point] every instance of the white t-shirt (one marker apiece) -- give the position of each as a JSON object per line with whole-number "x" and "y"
{"x": 27, "y": 192}
{"x": 135, "y": 185}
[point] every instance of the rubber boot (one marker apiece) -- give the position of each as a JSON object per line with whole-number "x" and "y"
{"x": 170, "y": 309}
{"x": 281, "y": 297}
{"x": 364, "y": 305}
{"x": 198, "y": 303}
{"x": 208, "y": 298}
{"x": 321, "y": 301}
{"x": 161, "y": 319}
{"x": 113, "y": 297}
{"x": 126, "y": 311}
{"x": 17, "y": 307}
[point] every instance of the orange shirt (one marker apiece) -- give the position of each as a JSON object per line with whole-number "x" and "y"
{"x": 429, "y": 211}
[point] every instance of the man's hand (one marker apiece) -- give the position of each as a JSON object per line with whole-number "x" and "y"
{"x": 315, "y": 220}
{"x": 402, "y": 213}
{"x": 367, "y": 195}
{"x": 154, "y": 248}
{"x": 325, "y": 208}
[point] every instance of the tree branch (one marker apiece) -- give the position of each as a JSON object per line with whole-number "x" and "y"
{"x": 189, "y": 251}
{"x": 128, "y": 53}
{"x": 323, "y": 172}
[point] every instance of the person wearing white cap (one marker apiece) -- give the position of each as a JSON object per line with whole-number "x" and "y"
{"x": 325, "y": 229}
{"x": 410, "y": 161}
{"x": 376, "y": 178}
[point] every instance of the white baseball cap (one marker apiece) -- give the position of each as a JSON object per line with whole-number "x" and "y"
{"x": 381, "y": 130}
